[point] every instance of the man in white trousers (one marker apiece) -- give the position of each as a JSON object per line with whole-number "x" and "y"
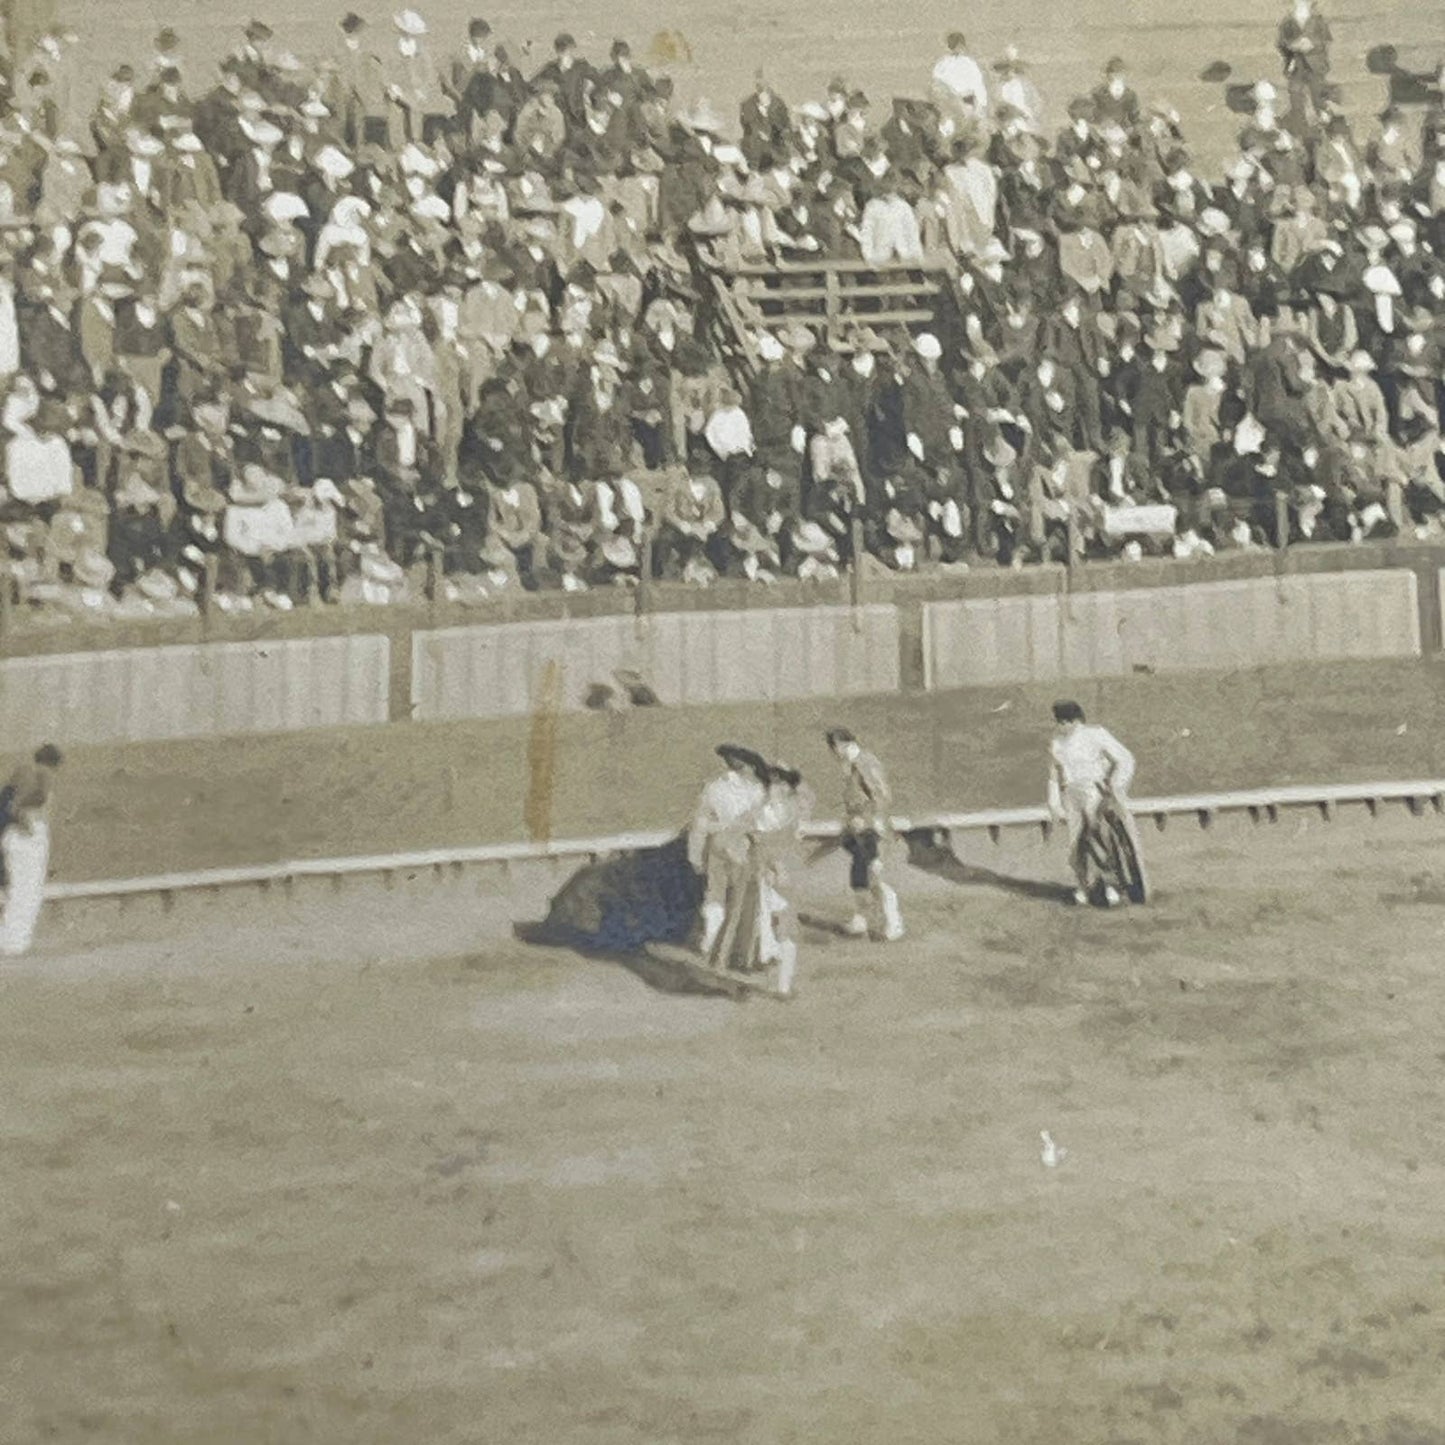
{"x": 1088, "y": 766}
{"x": 866, "y": 824}
{"x": 25, "y": 848}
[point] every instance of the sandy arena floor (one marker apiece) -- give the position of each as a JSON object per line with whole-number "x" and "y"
{"x": 372, "y": 1173}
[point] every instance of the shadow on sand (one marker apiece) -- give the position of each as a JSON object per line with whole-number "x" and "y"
{"x": 654, "y": 971}
{"x": 611, "y": 910}
{"x": 931, "y": 854}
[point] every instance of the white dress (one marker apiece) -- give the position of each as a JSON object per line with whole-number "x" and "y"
{"x": 26, "y": 847}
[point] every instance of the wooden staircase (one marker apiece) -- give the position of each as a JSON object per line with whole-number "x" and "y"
{"x": 833, "y": 298}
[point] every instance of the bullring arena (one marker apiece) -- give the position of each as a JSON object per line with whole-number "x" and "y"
{"x": 305, "y": 1156}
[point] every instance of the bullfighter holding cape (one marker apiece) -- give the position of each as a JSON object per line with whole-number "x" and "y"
{"x": 1090, "y": 771}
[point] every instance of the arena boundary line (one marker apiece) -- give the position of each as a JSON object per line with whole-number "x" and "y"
{"x": 1260, "y": 805}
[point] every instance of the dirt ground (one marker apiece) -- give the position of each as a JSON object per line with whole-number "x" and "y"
{"x": 366, "y": 1170}
{"x": 131, "y": 811}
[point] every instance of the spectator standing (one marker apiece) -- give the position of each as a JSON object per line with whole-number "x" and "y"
{"x": 959, "y": 88}
{"x": 25, "y": 848}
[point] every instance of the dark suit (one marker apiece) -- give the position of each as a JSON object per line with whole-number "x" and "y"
{"x": 767, "y": 127}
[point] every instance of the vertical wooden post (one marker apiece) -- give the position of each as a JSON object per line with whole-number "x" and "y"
{"x": 433, "y": 572}
{"x": 855, "y": 572}
{"x": 833, "y": 304}
{"x": 643, "y": 600}
{"x": 209, "y": 574}
{"x": 7, "y": 601}
{"x": 1281, "y": 521}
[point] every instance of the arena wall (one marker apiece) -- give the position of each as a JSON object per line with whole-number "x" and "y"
{"x": 1206, "y": 626}
{"x": 686, "y": 658}
{"x": 323, "y": 668}
{"x": 153, "y": 693}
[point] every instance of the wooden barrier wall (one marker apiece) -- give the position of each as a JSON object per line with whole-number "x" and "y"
{"x": 1208, "y": 625}
{"x": 686, "y": 657}
{"x": 703, "y": 657}
{"x": 147, "y": 693}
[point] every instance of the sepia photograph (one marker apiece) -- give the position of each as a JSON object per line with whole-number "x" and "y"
{"x": 722, "y": 722}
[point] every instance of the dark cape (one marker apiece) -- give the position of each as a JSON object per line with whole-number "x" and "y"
{"x": 621, "y": 904}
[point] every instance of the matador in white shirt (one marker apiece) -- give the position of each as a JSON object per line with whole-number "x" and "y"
{"x": 1087, "y": 764}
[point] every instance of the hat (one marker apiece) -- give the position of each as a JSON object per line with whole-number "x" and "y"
{"x": 928, "y": 346}
{"x": 865, "y": 339}
{"x": 735, "y": 756}
{"x": 410, "y": 23}
{"x": 200, "y": 494}
{"x": 1213, "y": 222}
{"x": 747, "y": 537}
{"x": 333, "y": 163}
{"x": 255, "y": 486}
{"x": 769, "y": 347}
{"x": 1010, "y": 62}
{"x": 713, "y": 220}
{"x": 351, "y": 22}
{"x": 702, "y": 118}
{"x": 93, "y": 569}
{"x": 1115, "y": 65}
{"x": 135, "y": 492}
{"x": 495, "y": 553}
{"x": 902, "y": 529}
{"x": 1210, "y": 364}
{"x": 811, "y": 539}
{"x": 994, "y": 250}
{"x": 999, "y": 453}
{"x": 414, "y": 161}
{"x": 284, "y": 207}
{"x": 280, "y": 243}
{"x": 258, "y": 31}
{"x": 144, "y": 444}
{"x": 798, "y": 338}
{"x": 531, "y": 196}
{"x": 1374, "y": 238}
{"x": 1361, "y": 361}
{"x": 568, "y": 548}
{"x": 263, "y": 133}
{"x": 377, "y": 567}
{"x": 619, "y": 552}
{"x": 158, "y": 586}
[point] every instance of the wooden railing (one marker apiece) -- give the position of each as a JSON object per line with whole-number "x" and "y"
{"x": 833, "y": 297}
{"x": 1260, "y": 806}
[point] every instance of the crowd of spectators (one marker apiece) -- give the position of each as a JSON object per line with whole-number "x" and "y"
{"x": 324, "y": 327}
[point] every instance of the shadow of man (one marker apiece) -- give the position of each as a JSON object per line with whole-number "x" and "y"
{"x": 931, "y": 851}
